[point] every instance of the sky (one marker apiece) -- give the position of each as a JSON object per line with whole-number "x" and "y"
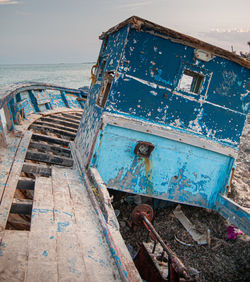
{"x": 67, "y": 31}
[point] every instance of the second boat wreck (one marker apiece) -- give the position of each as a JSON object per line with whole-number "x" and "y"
{"x": 163, "y": 119}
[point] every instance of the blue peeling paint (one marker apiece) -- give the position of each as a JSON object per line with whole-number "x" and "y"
{"x": 147, "y": 70}
{"x": 45, "y": 253}
{"x": 61, "y": 226}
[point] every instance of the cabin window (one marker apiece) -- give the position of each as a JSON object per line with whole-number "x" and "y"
{"x": 191, "y": 81}
{"x": 104, "y": 91}
{"x": 102, "y": 68}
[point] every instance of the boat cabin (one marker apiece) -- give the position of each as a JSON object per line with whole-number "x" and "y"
{"x": 164, "y": 114}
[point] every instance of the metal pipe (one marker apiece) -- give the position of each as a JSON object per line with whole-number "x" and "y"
{"x": 173, "y": 259}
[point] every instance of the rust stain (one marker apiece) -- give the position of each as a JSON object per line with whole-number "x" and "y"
{"x": 148, "y": 168}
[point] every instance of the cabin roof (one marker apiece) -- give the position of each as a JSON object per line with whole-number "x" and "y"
{"x": 138, "y": 23}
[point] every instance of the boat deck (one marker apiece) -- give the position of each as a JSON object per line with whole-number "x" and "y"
{"x": 53, "y": 233}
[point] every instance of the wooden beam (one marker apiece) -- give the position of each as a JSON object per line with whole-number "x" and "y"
{"x": 25, "y": 183}
{"x": 71, "y": 116}
{"x": 11, "y": 184}
{"x": 55, "y": 125}
{"x": 58, "y": 121}
{"x": 49, "y": 139}
{"x": 77, "y": 114}
{"x": 65, "y": 119}
{"x": 50, "y": 148}
{"x": 51, "y": 129}
{"x": 36, "y": 169}
{"x": 47, "y": 158}
{"x": 21, "y": 206}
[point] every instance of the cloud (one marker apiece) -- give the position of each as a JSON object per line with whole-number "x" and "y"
{"x": 9, "y": 2}
{"x": 134, "y": 5}
{"x": 228, "y": 38}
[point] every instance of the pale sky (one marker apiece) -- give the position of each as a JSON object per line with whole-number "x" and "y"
{"x": 65, "y": 31}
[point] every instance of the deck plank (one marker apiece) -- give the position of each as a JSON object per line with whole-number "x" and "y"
{"x": 58, "y": 121}
{"x": 46, "y": 129}
{"x": 98, "y": 259}
{"x": 49, "y": 139}
{"x": 71, "y": 265}
{"x": 13, "y": 255}
{"x": 65, "y": 119}
{"x": 57, "y": 150}
{"x": 36, "y": 169}
{"x": 48, "y": 158}
{"x": 42, "y": 256}
{"x": 12, "y": 181}
{"x": 55, "y": 125}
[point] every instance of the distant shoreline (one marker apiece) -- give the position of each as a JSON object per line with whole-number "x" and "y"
{"x": 36, "y": 64}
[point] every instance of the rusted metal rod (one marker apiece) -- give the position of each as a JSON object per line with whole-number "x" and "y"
{"x": 173, "y": 259}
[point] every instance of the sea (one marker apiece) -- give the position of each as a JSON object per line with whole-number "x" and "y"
{"x": 68, "y": 75}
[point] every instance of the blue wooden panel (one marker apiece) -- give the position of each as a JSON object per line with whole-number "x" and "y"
{"x": 234, "y": 213}
{"x": 175, "y": 171}
{"x": 140, "y": 100}
{"x": 147, "y": 87}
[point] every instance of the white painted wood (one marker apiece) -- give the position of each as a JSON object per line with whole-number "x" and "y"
{"x": 167, "y": 132}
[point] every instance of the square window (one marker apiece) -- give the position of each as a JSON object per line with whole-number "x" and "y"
{"x": 191, "y": 81}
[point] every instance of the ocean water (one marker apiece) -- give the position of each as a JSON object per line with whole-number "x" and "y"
{"x": 68, "y": 75}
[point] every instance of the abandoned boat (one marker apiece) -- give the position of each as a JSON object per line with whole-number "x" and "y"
{"x": 163, "y": 118}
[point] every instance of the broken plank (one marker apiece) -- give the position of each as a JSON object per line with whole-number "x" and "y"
{"x": 21, "y": 206}
{"x": 12, "y": 181}
{"x": 51, "y": 129}
{"x": 49, "y": 139}
{"x": 42, "y": 257}
{"x": 58, "y": 121}
{"x": 50, "y": 148}
{"x": 47, "y": 158}
{"x": 13, "y": 258}
{"x": 55, "y": 125}
{"x": 36, "y": 169}
{"x": 25, "y": 183}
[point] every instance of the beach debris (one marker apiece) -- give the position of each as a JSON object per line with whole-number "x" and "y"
{"x": 233, "y": 232}
{"x": 183, "y": 243}
{"x": 201, "y": 239}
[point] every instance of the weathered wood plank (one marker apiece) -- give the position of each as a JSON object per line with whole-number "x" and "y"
{"x": 50, "y": 148}
{"x": 65, "y": 119}
{"x": 21, "y": 206}
{"x": 72, "y": 116}
{"x": 79, "y": 114}
{"x": 36, "y": 169}
{"x": 6, "y": 160}
{"x": 71, "y": 266}
{"x": 49, "y": 139}
{"x": 55, "y": 125}
{"x": 54, "y": 119}
{"x": 13, "y": 179}
{"x": 51, "y": 129}
{"x": 25, "y": 183}
{"x": 42, "y": 257}
{"x": 13, "y": 255}
{"x": 48, "y": 158}
{"x": 98, "y": 261}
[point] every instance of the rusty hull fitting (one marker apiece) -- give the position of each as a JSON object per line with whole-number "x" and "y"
{"x": 142, "y": 215}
